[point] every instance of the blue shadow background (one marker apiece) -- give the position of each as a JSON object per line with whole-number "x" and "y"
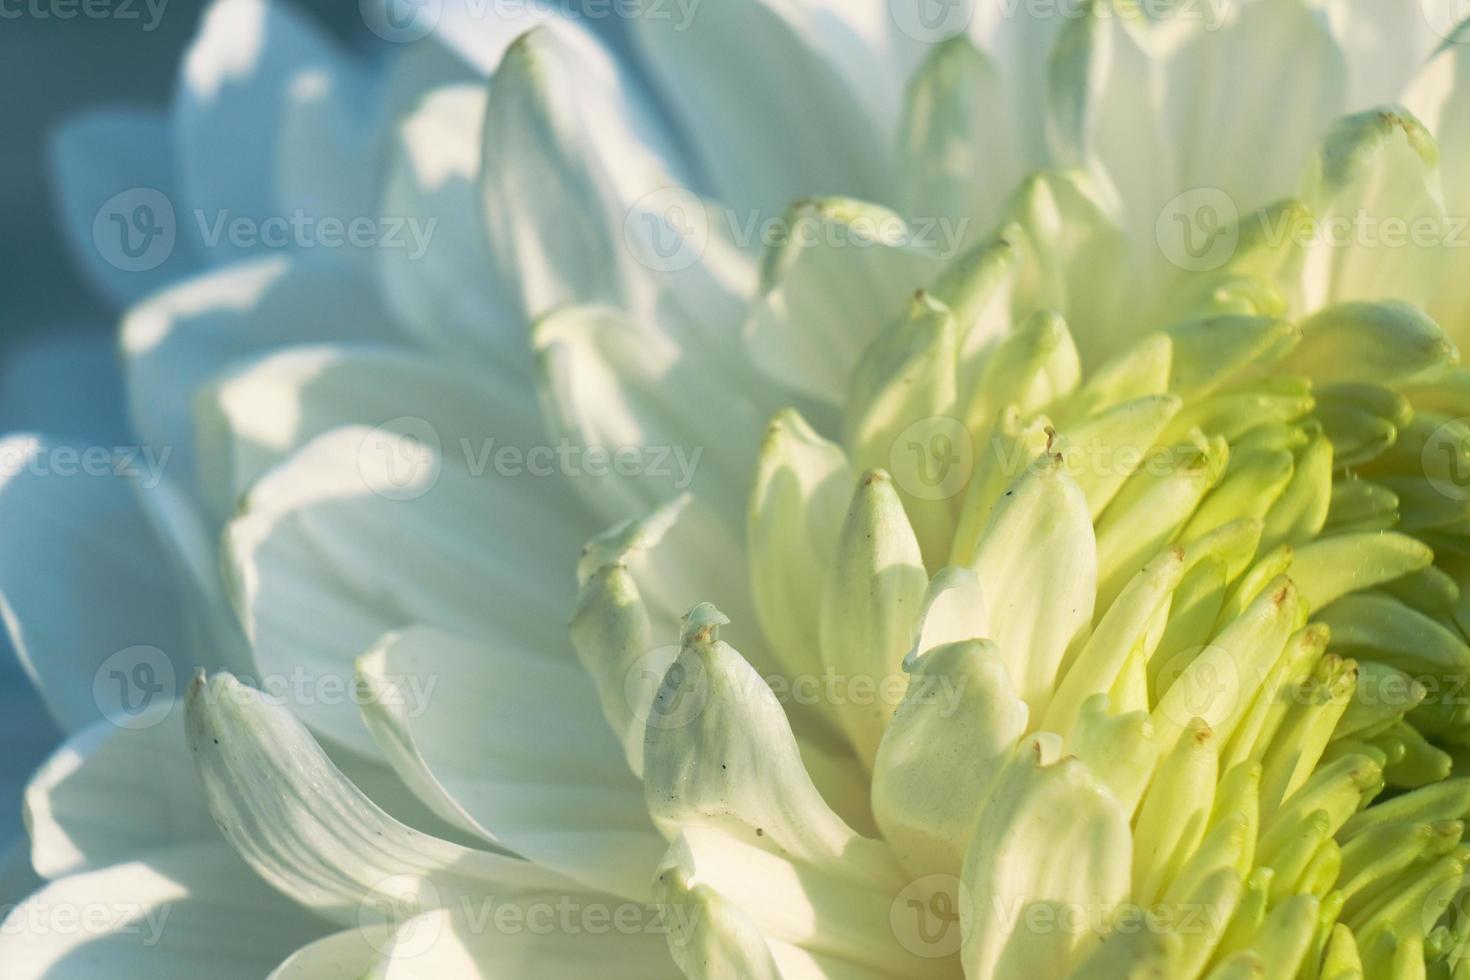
{"x": 58, "y": 372}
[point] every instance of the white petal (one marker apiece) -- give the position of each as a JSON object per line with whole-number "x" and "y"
{"x": 328, "y": 127}
{"x": 253, "y": 416}
{"x": 104, "y": 163}
{"x": 442, "y": 292}
{"x": 484, "y": 556}
{"x": 1438, "y": 98}
{"x": 176, "y": 340}
{"x": 513, "y": 745}
{"x": 845, "y": 272}
{"x": 622, "y": 387}
{"x": 957, "y": 150}
{"x": 1231, "y": 139}
{"x": 719, "y": 753}
{"x": 232, "y": 101}
{"x": 605, "y": 939}
{"x": 69, "y": 528}
{"x": 1382, "y": 230}
{"x": 1386, "y": 43}
{"x": 311, "y": 833}
{"x": 953, "y": 610}
{"x": 178, "y": 914}
{"x": 112, "y": 793}
{"x": 775, "y": 117}
{"x": 573, "y": 165}
{"x": 347, "y": 955}
{"x": 804, "y": 916}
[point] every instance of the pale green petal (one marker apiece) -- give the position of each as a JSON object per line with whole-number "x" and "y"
{"x": 1038, "y": 571}
{"x": 870, "y": 608}
{"x": 927, "y": 801}
{"x": 802, "y": 484}
{"x": 1050, "y": 841}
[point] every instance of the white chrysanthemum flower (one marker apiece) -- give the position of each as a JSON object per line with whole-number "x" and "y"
{"x": 406, "y": 611}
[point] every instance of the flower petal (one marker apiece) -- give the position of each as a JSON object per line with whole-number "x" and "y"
{"x": 178, "y": 339}
{"x": 1037, "y": 563}
{"x": 543, "y": 939}
{"x": 96, "y": 157}
{"x": 481, "y": 556}
{"x": 312, "y": 834}
{"x": 719, "y": 753}
{"x": 574, "y": 163}
{"x": 513, "y": 747}
{"x": 777, "y": 116}
{"x": 1051, "y": 840}
{"x": 841, "y": 272}
{"x": 232, "y": 102}
{"x": 927, "y": 801}
{"x": 70, "y": 529}
{"x": 253, "y": 416}
{"x": 445, "y": 296}
{"x": 184, "y": 912}
{"x": 112, "y": 793}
